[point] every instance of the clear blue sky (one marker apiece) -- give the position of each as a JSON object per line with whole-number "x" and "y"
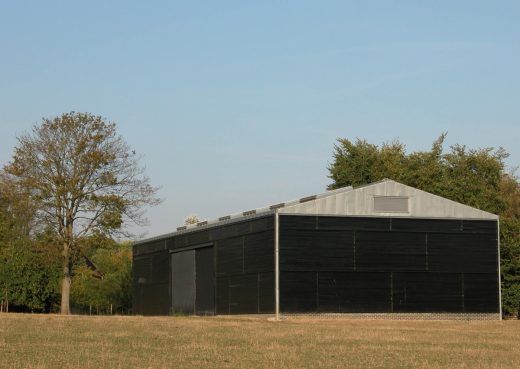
{"x": 237, "y": 105}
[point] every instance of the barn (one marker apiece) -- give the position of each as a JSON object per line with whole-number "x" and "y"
{"x": 381, "y": 249}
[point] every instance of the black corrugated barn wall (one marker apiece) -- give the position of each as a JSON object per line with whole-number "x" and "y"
{"x": 367, "y": 264}
{"x": 243, "y": 254}
{"x": 328, "y": 264}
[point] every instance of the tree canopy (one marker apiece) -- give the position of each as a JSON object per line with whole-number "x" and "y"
{"x": 114, "y": 287}
{"x": 28, "y": 272}
{"x": 83, "y": 180}
{"x": 475, "y": 177}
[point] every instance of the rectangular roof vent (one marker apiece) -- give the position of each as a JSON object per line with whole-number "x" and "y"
{"x": 249, "y": 212}
{"x": 202, "y": 223}
{"x": 391, "y": 204}
{"x": 308, "y": 198}
{"x": 227, "y": 217}
{"x": 277, "y": 206}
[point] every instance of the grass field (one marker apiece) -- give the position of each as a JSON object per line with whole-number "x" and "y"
{"x": 50, "y": 341}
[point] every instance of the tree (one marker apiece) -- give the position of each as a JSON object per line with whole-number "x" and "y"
{"x": 191, "y": 219}
{"x": 84, "y": 179}
{"x": 28, "y": 281}
{"x": 114, "y": 290}
{"x": 475, "y": 177}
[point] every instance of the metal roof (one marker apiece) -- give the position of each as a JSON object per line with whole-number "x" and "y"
{"x": 248, "y": 214}
{"x": 349, "y": 201}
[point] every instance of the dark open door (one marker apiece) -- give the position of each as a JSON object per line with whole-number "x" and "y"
{"x": 193, "y": 282}
{"x": 183, "y": 282}
{"x": 205, "y": 282}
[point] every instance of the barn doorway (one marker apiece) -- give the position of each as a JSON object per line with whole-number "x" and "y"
{"x": 193, "y": 281}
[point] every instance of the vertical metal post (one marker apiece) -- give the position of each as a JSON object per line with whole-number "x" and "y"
{"x": 276, "y": 265}
{"x": 392, "y": 292}
{"x": 499, "y": 276}
{"x": 462, "y": 289}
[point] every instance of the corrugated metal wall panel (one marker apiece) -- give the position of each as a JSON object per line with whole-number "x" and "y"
{"x": 243, "y": 294}
{"x": 205, "y": 281}
{"x": 338, "y": 264}
{"x": 399, "y": 265}
{"x": 266, "y": 292}
{"x": 351, "y": 223}
{"x": 298, "y": 292}
{"x": 245, "y": 266}
{"x": 390, "y": 251}
{"x": 149, "y": 247}
{"x": 197, "y": 238}
{"x": 258, "y": 255}
{"x": 479, "y": 226}
{"x": 427, "y": 225}
{"x": 244, "y": 270}
{"x": 230, "y": 256}
{"x": 462, "y": 252}
{"x": 427, "y": 292}
{"x": 316, "y": 250}
{"x": 300, "y": 222}
{"x": 142, "y": 270}
{"x": 262, "y": 224}
{"x": 155, "y": 299}
{"x": 480, "y": 292}
{"x": 151, "y": 294}
{"x": 160, "y": 267}
{"x": 352, "y": 292}
{"x": 222, "y": 295}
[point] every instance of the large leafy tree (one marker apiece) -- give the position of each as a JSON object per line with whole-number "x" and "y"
{"x": 83, "y": 179}
{"x": 475, "y": 177}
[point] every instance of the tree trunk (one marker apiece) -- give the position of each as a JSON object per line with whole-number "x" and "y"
{"x": 65, "y": 282}
{"x": 65, "y": 295}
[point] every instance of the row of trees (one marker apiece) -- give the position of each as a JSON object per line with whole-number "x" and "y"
{"x": 475, "y": 177}
{"x": 30, "y": 278}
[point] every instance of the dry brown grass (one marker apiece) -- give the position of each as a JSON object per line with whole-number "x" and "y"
{"x": 50, "y": 341}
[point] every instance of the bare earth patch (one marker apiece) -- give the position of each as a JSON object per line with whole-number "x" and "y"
{"x": 51, "y": 341}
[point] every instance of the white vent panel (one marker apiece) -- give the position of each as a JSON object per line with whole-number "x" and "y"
{"x": 391, "y": 204}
